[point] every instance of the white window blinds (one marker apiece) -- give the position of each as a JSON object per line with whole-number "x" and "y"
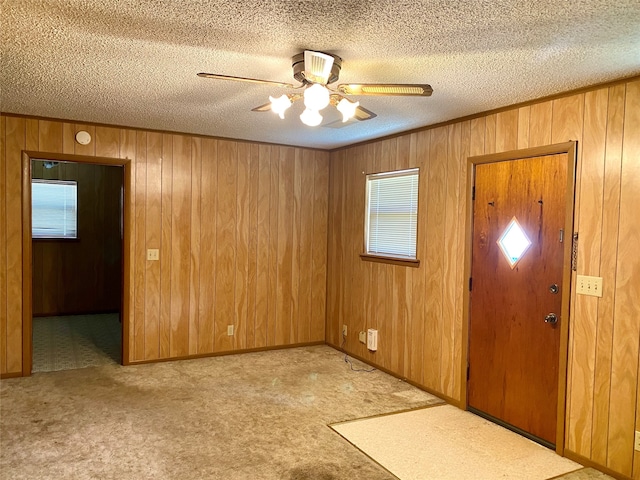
{"x": 392, "y": 213}
{"x": 54, "y": 209}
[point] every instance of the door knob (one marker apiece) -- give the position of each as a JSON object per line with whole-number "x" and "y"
{"x": 552, "y": 318}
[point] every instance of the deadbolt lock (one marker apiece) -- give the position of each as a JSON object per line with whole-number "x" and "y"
{"x": 553, "y": 288}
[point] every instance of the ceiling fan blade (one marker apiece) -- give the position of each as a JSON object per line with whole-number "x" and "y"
{"x": 243, "y": 79}
{"x": 317, "y": 66}
{"x": 262, "y": 108}
{"x": 410, "y": 90}
{"x": 364, "y": 114}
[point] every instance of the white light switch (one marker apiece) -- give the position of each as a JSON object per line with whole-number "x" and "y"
{"x": 153, "y": 254}
{"x": 372, "y": 339}
{"x": 230, "y": 330}
{"x": 589, "y": 285}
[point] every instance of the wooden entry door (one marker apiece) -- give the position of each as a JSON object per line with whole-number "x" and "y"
{"x": 514, "y": 340}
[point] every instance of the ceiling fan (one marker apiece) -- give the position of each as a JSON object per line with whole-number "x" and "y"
{"x": 316, "y": 71}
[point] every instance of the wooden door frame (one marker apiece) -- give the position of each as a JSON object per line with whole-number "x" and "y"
{"x": 27, "y": 260}
{"x": 570, "y": 148}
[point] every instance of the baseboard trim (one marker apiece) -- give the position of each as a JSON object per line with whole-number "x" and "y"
{"x": 10, "y": 375}
{"x": 591, "y": 464}
{"x": 227, "y": 352}
{"x": 449, "y": 400}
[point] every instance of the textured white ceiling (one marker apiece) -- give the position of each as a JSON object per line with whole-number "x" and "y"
{"x": 134, "y": 62}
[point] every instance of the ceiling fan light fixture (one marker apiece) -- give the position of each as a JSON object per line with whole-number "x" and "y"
{"x": 280, "y": 105}
{"x": 347, "y": 109}
{"x": 311, "y": 117}
{"x": 316, "y": 97}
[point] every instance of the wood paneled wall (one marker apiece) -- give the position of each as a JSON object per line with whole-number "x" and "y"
{"x": 241, "y": 228}
{"x": 83, "y": 275}
{"x": 418, "y": 311}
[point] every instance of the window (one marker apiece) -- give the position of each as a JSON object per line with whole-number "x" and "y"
{"x": 54, "y": 209}
{"x": 392, "y": 214}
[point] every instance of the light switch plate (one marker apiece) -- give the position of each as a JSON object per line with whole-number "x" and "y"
{"x": 637, "y": 443}
{"x": 153, "y": 254}
{"x": 372, "y": 339}
{"x": 589, "y": 285}
{"x": 230, "y": 330}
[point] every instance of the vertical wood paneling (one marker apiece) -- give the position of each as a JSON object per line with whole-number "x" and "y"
{"x": 540, "y": 124}
{"x": 3, "y": 250}
{"x": 242, "y": 247}
{"x": 284, "y": 252}
{"x": 208, "y": 246}
{"x": 196, "y": 220}
{"x": 139, "y": 257}
{"x": 434, "y": 260}
{"x": 422, "y": 160}
{"x": 295, "y": 259}
{"x": 262, "y": 245}
{"x": 241, "y": 229}
{"x": 153, "y": 239}
{"x": 319, "y": 247}
{"x": 49, "y": 136}
{"x": 450, "y": 294}
{"x": 180, "y": 246}
{"x": 523, "y": 126}
{"x": 252, "y": 275}
{"x": 609, "y": 251}
{"x": 272, "y": 289}
{"x": 590, "y": 221}
{"x": 305, "y": 277}
{"x": 603, "y": 365}
{"x": 164, "y": 332}
{"x": 507, "y": 130}
{"x": 225, "y": 241}
{"x": 626, "y": 329}
{"x": 14, "y": 144}
{"x": 490, "y": 134}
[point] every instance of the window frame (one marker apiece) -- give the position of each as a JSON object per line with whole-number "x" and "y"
{"x": 53, "y": 237}
{"x": 389, "y": 257}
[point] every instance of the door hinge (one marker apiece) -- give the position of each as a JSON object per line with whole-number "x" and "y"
{"x": 473, "y": 192}
{"x": 470, "y": 283}
{"x": 468, "y": 369}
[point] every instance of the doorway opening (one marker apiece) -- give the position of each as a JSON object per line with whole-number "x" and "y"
{"x": 75, "y": 264}
{"x": 519, "y": 260}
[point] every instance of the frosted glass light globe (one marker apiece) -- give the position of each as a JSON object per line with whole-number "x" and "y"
{"x": 316, "y": 97}
{"x": 311, "y": 118}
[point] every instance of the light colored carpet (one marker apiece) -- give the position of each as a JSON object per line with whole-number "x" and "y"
{"x": 76, "y": 341}
{"x": 252, "y": 416}
{"x": 447, "y": 443}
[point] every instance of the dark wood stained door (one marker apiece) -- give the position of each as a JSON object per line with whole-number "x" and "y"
{"x": 513, "y": 351}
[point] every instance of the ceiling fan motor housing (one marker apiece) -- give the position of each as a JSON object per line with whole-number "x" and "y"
{"x": 297, "y": 62}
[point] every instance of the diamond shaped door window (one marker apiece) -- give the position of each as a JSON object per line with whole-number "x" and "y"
{"x": 514, "y": 242}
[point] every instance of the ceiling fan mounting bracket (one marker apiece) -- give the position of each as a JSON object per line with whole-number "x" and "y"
{"x": 297, "y": 63}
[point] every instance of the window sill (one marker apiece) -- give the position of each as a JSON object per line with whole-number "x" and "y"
{"x": 404, "y": 262}
{"x": 54, "y": 239}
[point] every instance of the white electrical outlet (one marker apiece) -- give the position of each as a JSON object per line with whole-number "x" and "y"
{"x": 153, "y": 254}
{"x": 230, "y": 330}
{"x": 589, "y": 285}
{"x": 362, "y": 336}
{"x": 372, "y": 339}
{"x": 637, "y": 443}
{"x": 344, "y": 330}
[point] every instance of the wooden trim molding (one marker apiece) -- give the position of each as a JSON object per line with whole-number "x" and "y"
{"x": 588, "y": 463}
{"x": 404, "y": 262}
{"x": 230, "y": 352}
{"x": 570, "y": 148}
{"x": 27, "y": 272}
